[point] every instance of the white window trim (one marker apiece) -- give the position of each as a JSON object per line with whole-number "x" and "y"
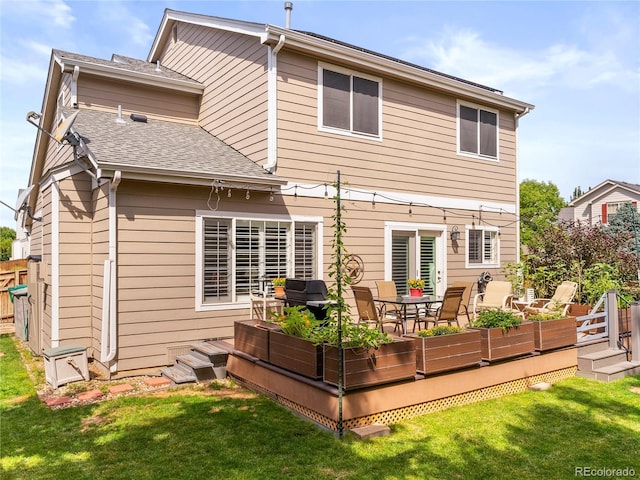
{"x": 440, "y": 232}
{"x": 235, "y": 216}
{"x": 469, "y": 154}
{"x": 467, "y": 243}
{"x": 349, "y": 133}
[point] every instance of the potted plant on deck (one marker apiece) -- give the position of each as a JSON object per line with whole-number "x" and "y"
{"x": 371, "y": 357}
{"x": 553, "y": 330}
{"x": 278, "y": 286}
{"x": 416, "y": 286}
{"x": 445, "y": 347}
{"x": 503, "y": 334}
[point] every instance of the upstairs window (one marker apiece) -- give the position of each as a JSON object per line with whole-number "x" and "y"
{"x": 349, "y": 103}
{"x": 482, "y": 247}
{"x": 477, "y": 131}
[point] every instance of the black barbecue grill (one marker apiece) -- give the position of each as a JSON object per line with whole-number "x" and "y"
{"x": 309, "y": 293}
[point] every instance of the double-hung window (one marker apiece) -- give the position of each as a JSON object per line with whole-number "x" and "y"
{"x": 348, "y": 102}
{"x": 482, "y": 247}
{"x": 236, "y": 256}
{"x": 477, "y": 131}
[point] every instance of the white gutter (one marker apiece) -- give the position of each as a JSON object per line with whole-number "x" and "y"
{"x": 109, "y": 338}
{"x": 55, "y": 265}
{"x": 272, "y": 106}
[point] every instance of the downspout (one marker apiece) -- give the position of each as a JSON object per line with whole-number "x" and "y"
{"x": 272, "y": 107}
{"x": 108, "y": 344}
{"x": 55, "y": 264}
{"x": 517, "y": 117}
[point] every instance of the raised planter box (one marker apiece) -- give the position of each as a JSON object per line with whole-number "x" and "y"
{"x": 363, "y": 367}
{"x": 295, "y": 354}
{"x": 447, "y": 352}
{"x": 252, "y": 338}
{"x": 552, "y": 334}
{"x": 497, "y": 344}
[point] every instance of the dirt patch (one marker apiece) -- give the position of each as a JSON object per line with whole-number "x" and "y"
{"x": 67, "y": 395}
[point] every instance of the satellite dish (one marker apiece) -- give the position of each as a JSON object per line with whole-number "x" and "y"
{"x": 23, "y": 195}
{"x": 64, "y": 127}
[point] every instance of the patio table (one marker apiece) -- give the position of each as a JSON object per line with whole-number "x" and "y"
{"x": 403, "y": 301}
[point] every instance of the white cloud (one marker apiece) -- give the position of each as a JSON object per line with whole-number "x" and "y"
{"x": 126, "y": 25}
{"x": 47, "y": 13}
{"x": 466, "y": 54}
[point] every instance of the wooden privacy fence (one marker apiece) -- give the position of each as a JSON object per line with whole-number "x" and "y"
{"x": 12, "y": 273}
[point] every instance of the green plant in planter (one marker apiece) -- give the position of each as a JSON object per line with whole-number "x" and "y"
{"x": 297, "y": 321}
{"x": 278, "y": 282}
{"x": 496, "y": 318}
{"x": 415, "y": 283}
{"x": 543, "y": 317}
{"x": 440, "y": 330}
{"x": 353, "y": 335}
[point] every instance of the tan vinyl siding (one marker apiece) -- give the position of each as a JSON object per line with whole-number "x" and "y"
{"x": 418, "y": 134}
{"x": 102, "y": 94}
{"x": 75, "y": 260}
{"x": 233, "y": 69}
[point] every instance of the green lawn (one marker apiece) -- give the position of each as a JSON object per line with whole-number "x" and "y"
{"x": 201, "y": 433}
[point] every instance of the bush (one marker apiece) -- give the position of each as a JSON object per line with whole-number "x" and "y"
{"x": 496, "y": 318}
{"x": 440, "y": 330}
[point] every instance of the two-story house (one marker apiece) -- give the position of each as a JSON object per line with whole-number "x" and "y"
{"x": 211, "y": 166}
{"x": 599, "y": 203}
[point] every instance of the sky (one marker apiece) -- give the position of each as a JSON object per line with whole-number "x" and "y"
{"x": 577, "y": 62}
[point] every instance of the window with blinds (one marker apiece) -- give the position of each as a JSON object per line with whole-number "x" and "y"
{"x": 478, "y": 131}
{"x": 482, "y": 247}
{"x": 400, "y": 261}
{"x": 261, "y": 250}
{"x": 216, "y": 255}
{"x": 428, "y": 264}
{"x": 350, "y": 103}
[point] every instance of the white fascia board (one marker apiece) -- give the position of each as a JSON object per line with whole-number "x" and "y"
{"x": 176, "y": 176}
{"x": 337, "y": 52}
{"x": 116, "y": 73}
{"x": 596, "y": 192}
{"x": 397, "y": 198}
{"x": 226, "y": 24}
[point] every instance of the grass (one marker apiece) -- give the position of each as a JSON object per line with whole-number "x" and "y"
{"x": 202, "y": 432}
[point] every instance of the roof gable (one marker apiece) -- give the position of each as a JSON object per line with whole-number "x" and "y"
{"x": 604, "y": 189}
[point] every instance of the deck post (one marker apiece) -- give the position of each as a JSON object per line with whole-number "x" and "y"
{"x": 611, "y": 307}
{"x": 635, "y": 332}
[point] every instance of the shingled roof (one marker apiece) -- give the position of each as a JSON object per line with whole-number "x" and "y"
{"x": 163, "y": 148}
{"x": 124, "y": 63}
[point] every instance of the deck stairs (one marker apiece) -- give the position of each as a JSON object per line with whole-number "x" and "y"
{"x": 599, "y": 362}
{"x": 206, "y": 361}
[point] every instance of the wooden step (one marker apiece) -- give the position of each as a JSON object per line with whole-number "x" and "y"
{"x": 617, "y": 371}
{"x": 179, "y": 374}
{"x": 600, "y": 359}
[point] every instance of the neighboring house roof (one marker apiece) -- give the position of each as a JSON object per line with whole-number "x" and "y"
{"x": 604, "y": 188}
{"x": 164, "y": 148}
{"x": 325, "y": 47}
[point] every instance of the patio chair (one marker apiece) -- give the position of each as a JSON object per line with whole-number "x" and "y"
{"x": 466, "y": 297}
{"x": 367, "y": 311}
{"x": 447, "y": 312}
{"x": 387, "y": 288}
{"x": 560, "y": 301}
{"x": 497, "y": 295}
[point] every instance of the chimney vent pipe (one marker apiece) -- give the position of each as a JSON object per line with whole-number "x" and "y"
{"x": 288, "y": 6}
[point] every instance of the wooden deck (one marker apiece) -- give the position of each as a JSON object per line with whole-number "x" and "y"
{"x": 391, "y": 403}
